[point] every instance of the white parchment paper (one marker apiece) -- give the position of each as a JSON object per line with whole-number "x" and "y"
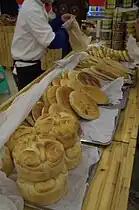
{"x": 114, "y": 90}
{"x": 101, "y": 129}
{"x": 133, "y": 49}
{"x": 78, "y": 181}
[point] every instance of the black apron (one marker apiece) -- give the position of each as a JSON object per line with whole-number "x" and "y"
{"x": 27, "y": 74}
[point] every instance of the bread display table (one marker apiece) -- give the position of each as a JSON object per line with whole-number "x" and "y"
{"x": 110, "y": 187}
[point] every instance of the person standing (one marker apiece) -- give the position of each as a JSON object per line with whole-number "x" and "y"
{"x": 33, "y": 34}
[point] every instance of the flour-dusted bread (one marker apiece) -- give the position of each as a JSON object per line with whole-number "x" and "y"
{"x": 83, "y": 105}
{"x": 63, "y": 127}
{"x": 44, "y": 193}
{"x": 73, "y": 155}
{"x": 7, "y": 162}
{"x": 95, "y": 94}
{"x": 38, "y": 160}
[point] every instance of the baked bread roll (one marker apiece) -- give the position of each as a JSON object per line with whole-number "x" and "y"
{"x": 62, "y": 96}
{"x": 95, "y": 94}
{"x": 64, "y": 75}
{"x": 30, "y": 119}
{"x": 23, "y": 132}
{"x": 64, "y": 82}
{"x": 38, "y": 161}
{"x": 86, "y": 78}
{"x": 57, "y": 108}
{"x": 73, "y": 156}
{"x": 46, "y": 102}
{"x": 7, "y": 162}
{"x": 44, "y": 193}
{"x": 83, "y": 105}
{"x": 56, "y": 81}
{"x": 37, "y": 110}
{"x": 63, "y": 127}
{"x": 51, "y": 94}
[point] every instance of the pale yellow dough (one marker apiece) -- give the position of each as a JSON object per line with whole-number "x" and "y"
{"x": 44, "y": 193}
{"x": 73, "y": 156}
{"x": 38, "y": 160}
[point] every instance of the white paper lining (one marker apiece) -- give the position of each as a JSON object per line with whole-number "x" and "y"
{"x": 101, "y": 129}
{"x": 77, "y": 181}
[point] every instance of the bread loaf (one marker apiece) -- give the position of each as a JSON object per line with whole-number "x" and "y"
{"x": 23, "y": 132}
{"x": 38, "y": 160}
{"x": 73, "y": 156}
{"x": 44, "y": 193}
{"x": 62, "y": 126}
{"x": 83, "y": 105}
{"x": 7, "y": 162}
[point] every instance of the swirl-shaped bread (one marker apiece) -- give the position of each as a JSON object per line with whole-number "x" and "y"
{"x": 38, "y": 161}
{"x": 23, "y": 132}
{"x": 7, "y": 162}
{"x": 73, "y": 156}
{"x": 44, "y": 193}
{"x": 61, "y": 126}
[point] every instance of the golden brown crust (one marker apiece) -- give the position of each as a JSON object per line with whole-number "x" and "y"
{"x": 56, "y": 81}
{"x": 57, "y": 108}
{"x": 21, "y": 133}
{"x": 86, "y": 78}
{"x": 51, "y": 94}
{"x": 73, "y": 156}
{"x": 83, "y": 105}
{"x": 95, "y": 94}
{"x": 63, "y": 127}
{"x": 37, "y": 110}
{"x": 38, "y": 160}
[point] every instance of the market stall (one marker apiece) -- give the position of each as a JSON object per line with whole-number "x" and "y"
{"x": 108, "y": 187}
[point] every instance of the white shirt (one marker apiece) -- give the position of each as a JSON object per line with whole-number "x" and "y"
{"x": 33, "y": 34}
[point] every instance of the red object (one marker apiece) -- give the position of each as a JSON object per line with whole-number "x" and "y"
{"x": 96, "y": 2}
{"x": 48, "y": 7}
{"x": 19, "y": 1}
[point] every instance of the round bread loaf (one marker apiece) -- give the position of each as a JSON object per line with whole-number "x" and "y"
{"x": 23, "y": 132}
{"x": 61, "y": 126}
{"x": 7, "y": 162}
{"x": 37, "y": 110}
{"x": 83, "y": 105}
{"x": 51, "y": 94}
{"x": 95, "y": 94}
{"x": 44, "y": 193}
{"x": 38, "y": 160}
{"x": 73, "y": 156}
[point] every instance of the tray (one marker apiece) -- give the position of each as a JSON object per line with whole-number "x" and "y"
{"x": 93, "y": 142}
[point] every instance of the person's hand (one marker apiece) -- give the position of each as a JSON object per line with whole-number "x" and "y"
{"x": 66, "y": 17}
